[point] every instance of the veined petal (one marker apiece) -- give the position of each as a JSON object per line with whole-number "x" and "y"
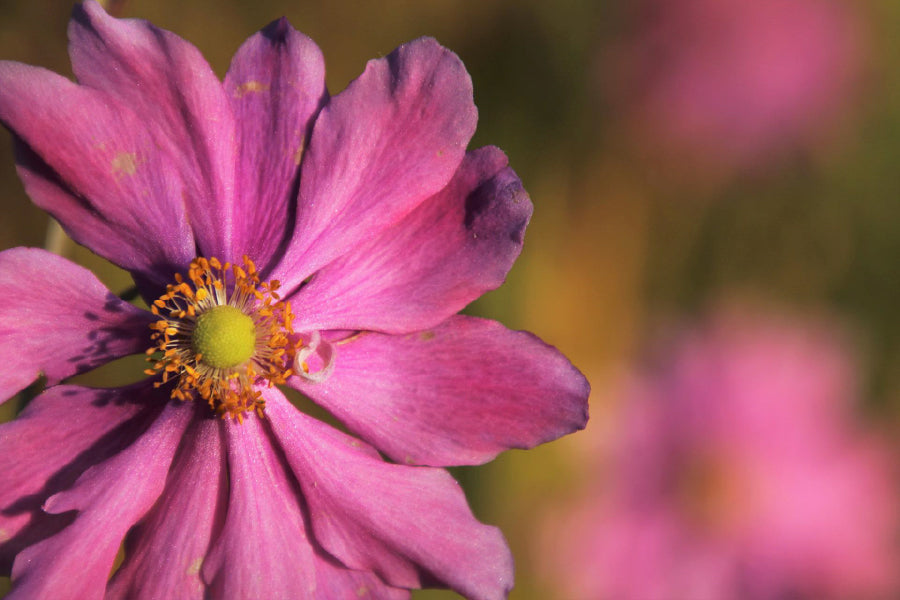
{"x": 263, "y": 550}
{"x": 392, "y": 139}
{"x": 447, "y": 252}
{"x": 59, "y": 435}
{"x": 409, "y": 525}
{"x": 110, "y": 497}
{"x": 276, "y": 86}
{"x": 335, "y": 581}
{"x": 90, "y": 162}
{"x": 167, "y": 549}
{"x": 57, "y": 319}
{"x": 456, "y": 394}
{"x": 182, "y": 105}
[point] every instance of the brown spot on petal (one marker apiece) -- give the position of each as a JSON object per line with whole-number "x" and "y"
{"x": 249, "y": 87}
{"x": 426, "y": 335}
{"x": 125, "y": 163}
{"x": 195, "y": 566}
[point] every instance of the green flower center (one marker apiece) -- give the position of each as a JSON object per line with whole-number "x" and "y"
{"x": 224, "y": 337}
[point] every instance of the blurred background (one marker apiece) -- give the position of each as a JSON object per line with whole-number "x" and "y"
{"x": 715, "y": 245}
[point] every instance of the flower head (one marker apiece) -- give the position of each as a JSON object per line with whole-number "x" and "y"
{"x": 280, "y": 236}
{"x": 736, "y": 472}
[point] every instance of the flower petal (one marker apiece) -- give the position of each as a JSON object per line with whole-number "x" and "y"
{"x": 90, "y": 162}
{"x": 447, "y": 252}
{"x": 263, "y": 550}
{"x": 393, "y": 138}
{"x": 457, "y": 394}
{"x": 409, "y": 525}
{"x": 58, "y": 319}
{"x": 335, "y": 581}
{"x": 110, "y": 497}
{"x": 59, "y": 435}
{"x": 276, "y": 85}
{"x": 162, "y": 553}
{"x": 167, "y": 81}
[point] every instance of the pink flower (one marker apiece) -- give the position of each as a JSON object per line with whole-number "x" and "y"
{"x": 737, "y": 473}
{"x": 378, "y": 225}
{"x": 738, "y": 84}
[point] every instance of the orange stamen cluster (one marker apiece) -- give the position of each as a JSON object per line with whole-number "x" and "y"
{"x": 229, "y": 391}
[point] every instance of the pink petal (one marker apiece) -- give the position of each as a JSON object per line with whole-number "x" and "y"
{"x": 276, "y": 85}
{"x": 90, "y": 162}
{"x": 57, "y": 319}
{"x": 447, "y": 252}
{"x": 390, "y": 140}
{"x": 57, "y": 437}
{"x": 110, "y": 497}
{"x": 167, "y": 549}
{"x": 409, "y": 525}
{"x": 335, "y": 581}
{"x": 263, "y": 550}
{"x": 459, "y": 393}
{"x": 182, "y": 105}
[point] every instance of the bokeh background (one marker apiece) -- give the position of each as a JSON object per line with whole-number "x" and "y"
{"x": 702, "y": 171}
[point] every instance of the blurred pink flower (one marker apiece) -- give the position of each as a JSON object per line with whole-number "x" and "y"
{"x": 379, "y": 226}
{"x": 738, "y": 83}
{"x": 737, "y": 472}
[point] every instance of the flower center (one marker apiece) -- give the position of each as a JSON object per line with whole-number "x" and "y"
{"x": 224, "y": 337}
{"x": 221, "y": 334}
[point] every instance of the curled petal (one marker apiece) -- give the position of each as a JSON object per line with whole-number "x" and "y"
{"x": 459, "y": 393}
{"x": 319, "y": 352}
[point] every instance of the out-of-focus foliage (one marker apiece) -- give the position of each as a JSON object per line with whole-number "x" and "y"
{"x": 625, "y": 239}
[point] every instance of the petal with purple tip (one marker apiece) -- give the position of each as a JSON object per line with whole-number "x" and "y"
{"x": 276, "y": 86}
{"x": 57, "y": 319}
{"x": 446, "y": 253}
{"x": 392, "y": 139}
{"x": 409, "y": 525}
{"x": 456, "y": 394}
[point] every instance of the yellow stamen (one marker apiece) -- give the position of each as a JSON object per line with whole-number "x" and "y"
{"x": 221, "y": 331}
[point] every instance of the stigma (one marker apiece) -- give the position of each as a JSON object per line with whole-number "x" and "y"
{"x": 221, "y": 334}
